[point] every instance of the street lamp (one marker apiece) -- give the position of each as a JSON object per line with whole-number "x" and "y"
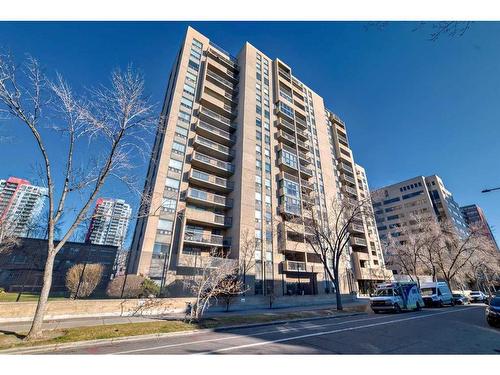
{"x": 488, "y": 190}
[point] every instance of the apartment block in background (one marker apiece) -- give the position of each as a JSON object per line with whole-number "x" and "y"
{"x": 243, "y": 148}
{"x": 422, "y": 197}
{"x": 20, "y": 205}
{"x": 474, "y": 215}
{"x": 109, "y": 222}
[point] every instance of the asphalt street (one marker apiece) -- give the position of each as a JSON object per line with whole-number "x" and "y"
{"x": 452, "y": 330}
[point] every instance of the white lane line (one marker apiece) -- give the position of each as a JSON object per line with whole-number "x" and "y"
{"x": 236, "y": 336}
{"x": 327, "y": 332}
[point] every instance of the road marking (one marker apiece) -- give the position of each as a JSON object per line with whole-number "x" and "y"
{"x": 235, "y": 336}
{"x": 328, "y": 332}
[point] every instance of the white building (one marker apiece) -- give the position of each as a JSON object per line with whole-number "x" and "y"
{"x": 109, "y": 222}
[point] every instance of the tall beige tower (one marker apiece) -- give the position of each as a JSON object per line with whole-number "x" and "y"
{"x": 243, "y": 147}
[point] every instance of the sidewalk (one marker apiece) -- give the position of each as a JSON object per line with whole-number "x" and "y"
{"x": 23, "y": 326}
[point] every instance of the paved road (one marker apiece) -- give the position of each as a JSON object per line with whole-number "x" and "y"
{"x": 457, "y": 330}
{"x": 23, "y": 326}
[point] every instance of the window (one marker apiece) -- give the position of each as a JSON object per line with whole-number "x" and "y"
{"x": 175, "y": 165}
{"x": 389, "y": 201}
{"x": 168, "y": 204}
{"x": 165, "y": 226}
{"x": 414, "y": 194}
{"x": 172, "y": 184}
{"x": 178, "y": 148}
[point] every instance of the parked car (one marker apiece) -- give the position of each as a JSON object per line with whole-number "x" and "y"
{"x": 493, "y": 312}
{"x": 460, "y": 299}
{"x": 396, "y": 297}
{"x": 436, "y": 294}
{"x": 478, "y": 296}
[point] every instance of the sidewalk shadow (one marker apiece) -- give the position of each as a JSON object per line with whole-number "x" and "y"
{"x": 12, "y": 333}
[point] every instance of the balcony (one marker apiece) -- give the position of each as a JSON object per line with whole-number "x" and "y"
{"x": 229, "y": 95}
{"x": 350, "y": 190}
{"x": 204, "y": 239}
{"x": 295, "y": 266}
{"x": 211, "y": 164}
{"x": 286, "y": 166}
{"x": 214, "y": 133}
{"x": 306, "y": 172}
{"x": 346, "y": 167}
{"x": 286, "y": 138}
{"x": 348, "y": 179}
{"x": 302, "y": 134}
{"x": 228, "y": 60}
{"x": 303, "y": 145}
{"x": 303, "y": 156}
{"x": 210, "y": 181}
{"x": 285, "y": 75}
{"x": 286, "y": 125}
{"x": 217, "y": 104}
{"x": 207, "y": 218}
{"x": 219, "y": 67}
{"x": 212, "y": 148}
{"x": 208, "y": 199}
{"x": 307, "y": 186}
{"x": 300, "y": 123}
{"x": 216, "y": 119}
{"x": 356, "y": 241}
{"x": 221, "y": 82}
{"x": 357, "y": 228}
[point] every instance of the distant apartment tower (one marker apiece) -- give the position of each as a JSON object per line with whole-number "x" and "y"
{"x": 20, "y": 205}
{"x": 474, "y": 215}
{"x": 420, "y": 196}
{"x": 109, "y": 222}
{"x": 243, "y": 148}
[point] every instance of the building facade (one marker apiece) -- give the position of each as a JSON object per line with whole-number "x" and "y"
{"x": 399, "y": 205}
{"x": 22, "y": 268}
{"x": 474, "y": 216}
{"x": 20, "y": 205}
{"x": 243, "y": 148}
{"x": 109, "y": 222}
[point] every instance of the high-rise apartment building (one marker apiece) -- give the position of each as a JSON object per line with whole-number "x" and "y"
{"x": 474, "y": 216}
{"x": 420, "y": 197}
{"x": 243, "y": 148}
{"x": 109, "y": 222}
{"x": 20, "y": 205}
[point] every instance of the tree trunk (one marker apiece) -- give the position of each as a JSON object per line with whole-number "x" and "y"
{"x": 337, "y": 290}
{"x": 36, "y": 327}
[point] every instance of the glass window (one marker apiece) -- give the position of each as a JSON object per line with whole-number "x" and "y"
{"x": 175, "y": 165}
{"x": 172, "y": 183}
{"x": 178, "y": 147}
{"x": 165, "y": 225}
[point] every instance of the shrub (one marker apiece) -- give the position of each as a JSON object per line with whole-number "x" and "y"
{"x": 83, "y": 278}
{"x": 149, "y": 287}
{"x": 133, "y": 288}
{"x": 2, "y": 290}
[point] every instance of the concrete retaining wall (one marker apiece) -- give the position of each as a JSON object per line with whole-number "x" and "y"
{"x": 24, "y": 311}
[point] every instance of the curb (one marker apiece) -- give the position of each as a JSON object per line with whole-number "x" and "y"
{"x": 55, "y": 347}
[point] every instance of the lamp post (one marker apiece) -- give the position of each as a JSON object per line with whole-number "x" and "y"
{"x": 489, "y": 190}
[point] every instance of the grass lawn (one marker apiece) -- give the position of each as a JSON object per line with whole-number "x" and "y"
{"x": 25, "y": 297}
{"x": 57, "y": 336}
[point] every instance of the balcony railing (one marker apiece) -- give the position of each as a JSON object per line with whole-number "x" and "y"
{"x": 349, "y": 179}
{"x": 215, "y": 130}
{"x": 223, "y": 220}
{"x": 306, "y": 171}
{"x": 298, "y": 121}
{"x": 228, "y": 59}
{"x": 211, "y": 179}
{"x": 217, "y": 117}
{"x": 358, "y": 241}
{"x": 350, "y": 190}
{"x": 224, "y": 81}
{"x": 346, "y": 167}
{"x": 213, "y": 162}
{"x": 209, "y": 197}
{"x": 206, "y": 239}
{"x": 357, "y": 228}
{"x": 294, "y": 266}
{"x": 213, "y": 145}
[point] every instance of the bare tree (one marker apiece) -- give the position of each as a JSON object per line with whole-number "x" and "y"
{"x": 213, "y": 278}
{"x": 247, "y": 261}
{"x": 129, "y": 288}
{"x": 454, "y": 256}
{"x": 82, "y": 279}
{"x": 109, "y": 126}
{"x": 329, "y": 235}
{"x": 411, "y": 247}
{"x": 438, "y": 29}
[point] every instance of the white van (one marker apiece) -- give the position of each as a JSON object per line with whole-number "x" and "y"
{"x": 396, "y": 296}
{"x": 436, "y": 294}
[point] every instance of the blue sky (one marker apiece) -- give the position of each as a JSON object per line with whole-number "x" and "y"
{"x": 412, "y": 106}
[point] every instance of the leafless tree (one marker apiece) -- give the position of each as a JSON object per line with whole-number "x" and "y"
{"x": 247, "y": 261}
{"x": 214, "y": 277}
{"x": 438, "y": 29}
{"x": 329, "y": 235}
{"x": 411, "y": 247}
{"x": 459, "y": 254}
{"x": 108, "y": 125}
{"x": 82, "y": 279}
